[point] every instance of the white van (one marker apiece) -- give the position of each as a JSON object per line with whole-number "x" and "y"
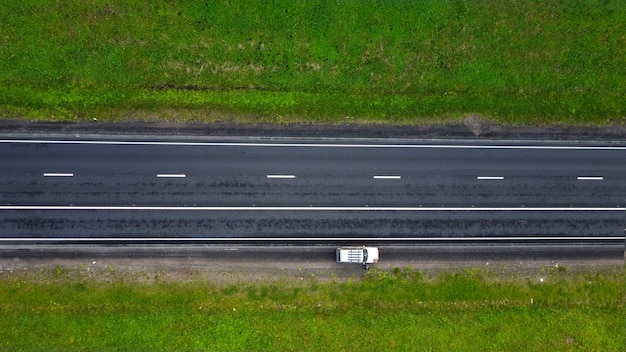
{"x": 359, "y": 255}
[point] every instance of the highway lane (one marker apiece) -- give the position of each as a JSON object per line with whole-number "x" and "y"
{"x": 338, "y": 226}
{"x": 249, "y": 190}
{"x": 322, "y": 176}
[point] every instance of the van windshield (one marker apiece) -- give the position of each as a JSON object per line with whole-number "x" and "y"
{"x": 364, "y": 255}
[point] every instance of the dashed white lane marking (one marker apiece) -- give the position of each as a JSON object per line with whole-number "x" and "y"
{"x": 387, "y": 177}
{"x": 281, "y": 176}
{"x": 590, "y": 178}
{"x": 490, "y": 178}
{"x": 56, "y": 174}
{"x": 171, "y": 175}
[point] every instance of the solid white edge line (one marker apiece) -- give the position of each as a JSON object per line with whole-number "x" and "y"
{"x": 302, "y": 239}
{"x": 490, "y": 178}
{"x": 171, "y": 175}
{"x": 281, "y": 176}
{"x": 54, "y": 174}
{"x": 383, "y": 177}
{"x": 309, "y": 208}
{"x": 442, "y": 146}
{"x": 590, "y": 178}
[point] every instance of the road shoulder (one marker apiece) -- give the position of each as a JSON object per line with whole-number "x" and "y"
{"x": 466, "y": 129}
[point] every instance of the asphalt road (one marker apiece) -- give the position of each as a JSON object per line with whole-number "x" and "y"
{"x": 299, "y": 191}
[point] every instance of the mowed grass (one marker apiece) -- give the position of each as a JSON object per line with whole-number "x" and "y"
{"x": 250, "y": 61}
{"x": 402, "y": 310}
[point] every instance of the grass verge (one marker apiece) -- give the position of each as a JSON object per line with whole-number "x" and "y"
{"x": 401, "y": 62}
{"x": 405, "y": 309}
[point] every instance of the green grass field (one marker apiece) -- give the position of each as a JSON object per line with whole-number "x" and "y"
{"x": 249, "y": 61}
{"x": 552, "y": 309}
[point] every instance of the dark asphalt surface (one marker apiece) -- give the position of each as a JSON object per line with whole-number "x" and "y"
{"x": 236, "y": 175}
{"x": 288, "y": 224}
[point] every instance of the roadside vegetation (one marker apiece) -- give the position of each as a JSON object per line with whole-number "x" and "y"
{"x": 251, "y": 61}
{"x": 552, "y": 309}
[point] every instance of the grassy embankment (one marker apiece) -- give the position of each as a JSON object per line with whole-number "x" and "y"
{"x": 408, "y": 62}
{"x": 471, "y": 310}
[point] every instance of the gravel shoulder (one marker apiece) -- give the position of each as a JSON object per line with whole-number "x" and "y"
{"x": 226, "y": 265}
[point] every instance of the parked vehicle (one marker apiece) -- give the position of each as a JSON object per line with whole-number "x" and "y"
{"x": 358, "y": 255}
